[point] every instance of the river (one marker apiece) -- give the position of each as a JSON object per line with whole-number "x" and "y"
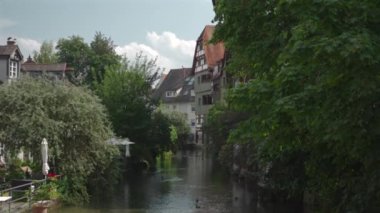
{"x": 185, "y": 183}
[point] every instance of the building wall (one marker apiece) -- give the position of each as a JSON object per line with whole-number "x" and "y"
{"x": 3, "y": 69}
{"x": 185, "y": 108}
{"x": 219, "y": 93}
{"x": 201, "y": 89}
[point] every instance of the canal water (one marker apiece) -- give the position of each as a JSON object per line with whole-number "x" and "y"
{"x": 187, "y": 182}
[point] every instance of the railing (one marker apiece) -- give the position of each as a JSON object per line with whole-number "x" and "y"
{"x": 19, "y": 193}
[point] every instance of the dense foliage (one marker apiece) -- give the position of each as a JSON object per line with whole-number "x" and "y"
{"x": 180, "y": 128}
{"x": 126, "y": 93}
{"x": 312, "y": 94}
{"x": 88, "y": 61}
{"x": 71, "y": 119}
{"x": 46, "y": 55}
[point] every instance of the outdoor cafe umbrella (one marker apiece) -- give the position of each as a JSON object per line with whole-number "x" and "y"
{"x": 44, "y": 152}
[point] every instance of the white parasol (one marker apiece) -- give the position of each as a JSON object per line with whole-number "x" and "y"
{"x": 44, "y": 152}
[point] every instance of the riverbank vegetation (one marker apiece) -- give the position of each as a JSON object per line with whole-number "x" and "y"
{"x": 104, "y": 96}
{"x": 71, "y": 118}
{"x": 309, "y": 93}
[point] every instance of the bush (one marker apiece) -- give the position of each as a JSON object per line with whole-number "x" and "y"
{"x": 48, "y": 191}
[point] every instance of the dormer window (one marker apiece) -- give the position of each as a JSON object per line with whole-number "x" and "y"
{"x": 12, "y": 69}
{"x": 170, "y": 94}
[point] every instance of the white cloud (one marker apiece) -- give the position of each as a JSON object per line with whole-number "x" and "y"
{"x": 171, "y": 52}
{"x": 28, "y": 46}
{"x": 170, "y": 43}
{"x": 4, "y": 23}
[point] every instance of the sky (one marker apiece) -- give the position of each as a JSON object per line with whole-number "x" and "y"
{"x": 166, "y": 29}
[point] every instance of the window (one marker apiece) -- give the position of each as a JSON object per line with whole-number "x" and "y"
{"x": 207, "y": 100}
{"x": 192, "y": 108}
{"x": 199, "y": 101}
{"x": 200, "y": 46}
{"x": 178, "y": 91}
{"x": 170, "y": 93}
{"x": 199, "y": 79}
{"x": 192, "y": 122}
{"x": 191, "y": 81}
{"x": 12, "y": 69}
{"x": 199, "y": 119}
{"x": 205, "y": 78}
{"x": 200, "y": 61}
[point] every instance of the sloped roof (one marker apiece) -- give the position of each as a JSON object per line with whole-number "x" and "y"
{"x": 176, "y": 79}
{"x": 213, "y": 52}
{"x": 7, "y": 50}
{"x": 28, "y": 67}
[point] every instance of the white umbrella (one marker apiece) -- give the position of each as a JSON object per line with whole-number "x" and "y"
{"x": 44, "y": 152}
{"x": 125, "y": 141}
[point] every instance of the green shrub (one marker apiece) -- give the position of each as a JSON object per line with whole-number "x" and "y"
{"x": 48, "y": 191}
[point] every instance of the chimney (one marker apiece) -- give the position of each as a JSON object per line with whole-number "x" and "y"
{"x": 11, "y": 41}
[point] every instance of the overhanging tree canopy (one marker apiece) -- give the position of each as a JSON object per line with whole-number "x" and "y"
{"x": 72, "y": 120}
{"x": 313, "y": 94}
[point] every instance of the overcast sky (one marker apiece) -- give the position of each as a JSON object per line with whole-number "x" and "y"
{"x": 164, "y": 28}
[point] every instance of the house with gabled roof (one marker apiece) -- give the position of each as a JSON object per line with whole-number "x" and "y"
{"x": 10, "y": 61}
{"x": 176, "y": 94}
{"x": 52, "y": 71}
{"x": 207, "y": 64}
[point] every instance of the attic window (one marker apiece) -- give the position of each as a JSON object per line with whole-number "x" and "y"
{"x": 191, "y": 81}
{"x": 170, "y": 93}
{"x": 178, "y": 91}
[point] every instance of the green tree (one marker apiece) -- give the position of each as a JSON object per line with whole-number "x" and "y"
{"x": 180, "y": 125}
{"x": 103, "y": 56}
{"x": 126, "y": 92}
{"x": 160, "y": 132}
{"x": 173, "y": 134}
{"x": 313, "y": 95}
{"x": 77, "y": 54}
{"x": 89, "y": 61}
{"x": 142, "y": 64}
{"x": 71, "y": 118}
{"x": 46, "y": 55}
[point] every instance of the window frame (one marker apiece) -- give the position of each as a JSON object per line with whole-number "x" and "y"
{"x": 13, "y": 68}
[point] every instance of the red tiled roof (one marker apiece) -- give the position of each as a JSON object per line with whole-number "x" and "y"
{"x": 213, "y": 52}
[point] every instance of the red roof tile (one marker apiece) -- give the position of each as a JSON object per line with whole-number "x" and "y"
{"x": 213, "y": 52}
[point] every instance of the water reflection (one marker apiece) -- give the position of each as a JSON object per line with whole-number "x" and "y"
{"x": 187, "y": 182}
